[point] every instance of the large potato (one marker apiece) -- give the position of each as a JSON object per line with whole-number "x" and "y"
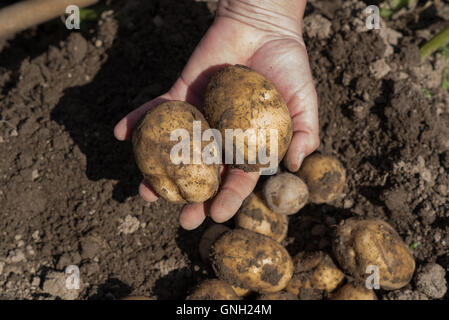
{"x": 239, "y": 98}
{"x": 181, "y": 182}
{"x": 314, "y": 274}
{"x": 250, "y": 260}
{"x": 372, "y": 242}
{"x": 255, "y": 216}
{"x": 285, "y": 193}
{"x": 213, "y": 289}
{"x": 324, "y": 176}
{"x": 353, "y": 291}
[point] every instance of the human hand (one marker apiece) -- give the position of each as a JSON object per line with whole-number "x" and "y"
{"x": 267, "y": 37}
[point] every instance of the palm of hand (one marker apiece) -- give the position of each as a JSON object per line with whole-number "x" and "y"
{"x": 280, "y": 58}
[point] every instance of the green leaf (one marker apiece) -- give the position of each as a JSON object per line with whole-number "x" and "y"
{"x": 414, "y": 245}
{"x": 427, "y": 93}
{"x": 88, "y": 14}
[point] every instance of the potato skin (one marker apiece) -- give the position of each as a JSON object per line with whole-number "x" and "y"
{"x": 213, "y": 289}
{"x": 315, "y": 273}
{"x": 241, "y": 292}
{"x": 361, "y": 243}
{"x": 281, "y": 295}
{"x": 209, "y": 237}
{"x": 255, "y": 216}
{"x": 137, "y": 298}
{"x": 178, "y": 183}
{"x": 353, "y": 291}
{"x": 285, "y": 193}
{"x": 250, "y": 260}
{"x": 238, "y": 97}
{"x": 324, "y": 176}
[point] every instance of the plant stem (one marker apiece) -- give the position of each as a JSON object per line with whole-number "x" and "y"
{"x": 439, "y": 40}
{"x": 27, "y": 13}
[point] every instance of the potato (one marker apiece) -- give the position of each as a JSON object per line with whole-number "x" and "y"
{"x": 255, "y": 216}
{"x": 239, "y": 98}
{"x": 241, "y": 292}
{"x": 315, "y": 273}
{"x": 353, "y": 291}
{"x": 281, "y": 295}
{"x": 208, "y": 238}
{"x": 372, "y": 242}
{"x": 285, "y": 193}
{"x": 213, "y": 289}
{"x": 181, "y": 182}
{"x": 324, "y": 176}
{"x": 137, "y": 298}
{"x": 253, "y": 261}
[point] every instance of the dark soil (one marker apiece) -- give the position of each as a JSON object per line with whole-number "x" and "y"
{"x": 68, "y": 192}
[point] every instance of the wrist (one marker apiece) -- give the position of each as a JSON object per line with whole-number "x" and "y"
{"x": 276, "y": 16}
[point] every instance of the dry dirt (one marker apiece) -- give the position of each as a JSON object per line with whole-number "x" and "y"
{"x": 68, "y": 190}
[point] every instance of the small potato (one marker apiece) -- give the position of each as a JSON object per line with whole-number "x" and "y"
{"x": 213, "y": 289}
{"x": 373, "y": 242}
{"x": 184, "y": 182}
{"x": 285, "y": 193}
{"x": 250, "y": 260}
{"x": 208, "y": 238}
{"x": 281, "y": 295}
{"x": 324, "y": 176}
{"x": 239, "y": 98}
{"x": 353, "y": 291}
{"x": 315, "y": 273}
{"x": 255, "y": 216}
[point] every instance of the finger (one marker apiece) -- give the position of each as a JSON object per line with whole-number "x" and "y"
{"x": 124, "y": 127}
{"x": 236, "y": 187}
{"x": 305, "y": 140}
{"x": 192, "y": 216}
{"x": 147, "y": 193}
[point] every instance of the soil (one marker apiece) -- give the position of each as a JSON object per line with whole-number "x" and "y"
{"x": 68, "y": 192}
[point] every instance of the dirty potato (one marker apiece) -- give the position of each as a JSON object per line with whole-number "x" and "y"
{"x": 137, "y": 298}
{"x": 255, "y": 216}
{"x": 314, "y": 274}
{"x": 354, "y": 291}
{"x": 213, "y": 289}
{"x": 241, "y": 292}
{"x": 180, "y": 182}
{"x": 208, "y": 238}
{"x": 324, "y": 176}
{"x": 285, "y": 193}
{"x": 241, "y": 99}
{"x": 250, "y": 260}
{"x": 281, "y": 295}
{"x": 373, "y": 242}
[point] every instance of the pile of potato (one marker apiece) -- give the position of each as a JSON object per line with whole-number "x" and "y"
{"x": 250, "y": 259}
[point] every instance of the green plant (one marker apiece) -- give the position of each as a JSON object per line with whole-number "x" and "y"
{"x": 88, "y": 14}
{"x": 438, "y": 41}
{"x": 390, "y": 7}
{"x": 427, "y": 93}
{"x": 414, "y": 245}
